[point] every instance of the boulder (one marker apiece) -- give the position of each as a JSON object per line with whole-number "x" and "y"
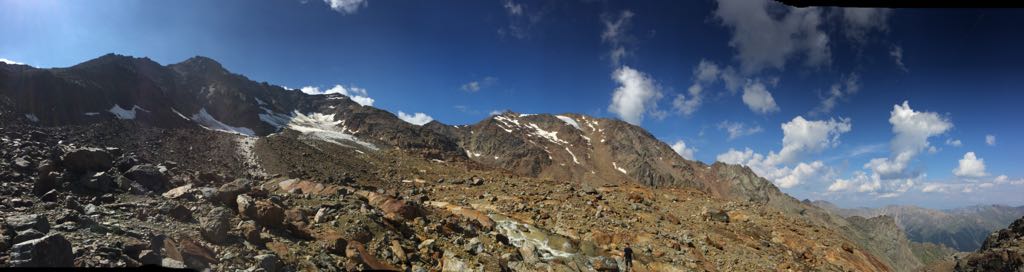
{"x": 21, "y": 223}
{"x": 264, "y": 212}
{"x": 269, "y": 263}
{"x": 98, "y": 182}
{"x": 214, "y": 226}
{"x": 149, "y": 176}
{"x": 179, "y": 191}
{"x": 44, "y": 183}
{"x": 126, "y": 162}
{"x": 29, "y": 234}
{"x": 393, "y": 209}
{"x": 602, "y": 263}
{"x": 23, "y": 163}
{"x": 87, "y": 160}
{"x": 49, "y": 251}
{"x": 228, "y": 193}
{"x": 474, "y": 246}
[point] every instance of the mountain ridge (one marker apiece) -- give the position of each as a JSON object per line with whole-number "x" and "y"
{"x": 284, "y": 132}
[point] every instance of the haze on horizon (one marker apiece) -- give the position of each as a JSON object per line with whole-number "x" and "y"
{"x": 859, "y": 107}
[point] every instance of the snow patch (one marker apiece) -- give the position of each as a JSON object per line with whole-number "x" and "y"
{"x": 551, "y": 136}
{"x": 92, "y": 113}
{"x": 124, "y": 114}
{"x": 207, "y": 121}
{"x": 32, "y": 117}
{"x": 179, "y": 114}
{"x": 323, "y": 127}
{"x": 472, "y": 154}
{"x": 570, "y": 121}
{"x": 573, "y": 155}
{"x": 275, "y": 119}
{"x": 616, "y": 165}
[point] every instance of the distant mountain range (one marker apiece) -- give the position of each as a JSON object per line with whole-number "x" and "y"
{"x": 963, "y": 229}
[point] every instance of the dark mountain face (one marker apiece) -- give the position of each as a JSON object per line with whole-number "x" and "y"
{"x": 196, "y": 92}
{"x": 200, "y": 92}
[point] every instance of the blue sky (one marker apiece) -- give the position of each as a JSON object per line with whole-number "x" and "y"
{"x": 959, "y": 71}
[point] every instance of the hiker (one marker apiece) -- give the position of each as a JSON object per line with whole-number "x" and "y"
{"x": 627, "y": 254}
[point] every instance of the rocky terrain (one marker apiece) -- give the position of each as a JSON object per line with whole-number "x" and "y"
{"x": 121, "y": 161}
{"x": 1003, "y": 250}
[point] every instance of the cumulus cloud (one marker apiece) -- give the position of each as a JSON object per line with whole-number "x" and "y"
{"x": 617, "y": 36}
{"x": 800, "y": 137}
{"x": 680, "y": 148}
{"x": 765, "y": 34}
{"x": 970, "y": 166}
{"x": 7, "y": 61}
{"x": 418, "y": 118}
{"x": 476, "y": 85}
{"x": 782, "y": 176}
{"x": 737, "y": 129}
{"x": 838, "y": 91}
{"x": 687, "y": 106}
{"x": 357, "y": 94}
{"x": 954, "y": 142}
{"x": 758, "y": 99}
{"x": 346, "y": 6}
{"x": 636, "y": 95}
{"x": 990, "y": 140}
{"x": 912, "y": 130}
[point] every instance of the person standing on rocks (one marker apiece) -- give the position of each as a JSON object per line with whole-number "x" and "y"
{"x": 627, "y": 254}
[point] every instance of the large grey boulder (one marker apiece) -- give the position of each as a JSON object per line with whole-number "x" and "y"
{"x": 49, "y": 251}
{"x": 87, "y": 160}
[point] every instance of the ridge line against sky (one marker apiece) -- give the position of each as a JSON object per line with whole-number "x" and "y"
{"x": 861, "y": 107}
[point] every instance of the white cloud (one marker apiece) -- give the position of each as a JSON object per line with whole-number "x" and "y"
{"x": 990, "y": 140}
{"x": 783, "y": 177}
{"x": 733, "y": 81}
{"x": 688, "y": 106}
{"x": 357, "y": 94}
{"x": 801, "y": 136}
{"x": 757, "y": 97}
{"x": 496, "y": 112}
{"x": 954, "y": 142}
{"x": 680, "y": 148}
{"x": 912, "y": 129}
{"x": 418, "y": 119}
{"x": 1001, "y": 179}
{"x": 838, "y": 91}
{"x": 636, "y": 95}
{"x": 737, "y": 129}
{"x": 706, "y": 72}
{"x": 476, "y": 85}
{"x": 346, "y": 6}
{"x": 7, "y": 61}
{"x": 934, "y": 188}
{"x": 766, "y": 34}
{"x": 615, "y": 34}
{"x": 858, "y": 22}
{"x": 804, "y": 172}
{"x": 896, "y": 53}
{"x": 970, "y": 166}
{"x": 513, "y": 8}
